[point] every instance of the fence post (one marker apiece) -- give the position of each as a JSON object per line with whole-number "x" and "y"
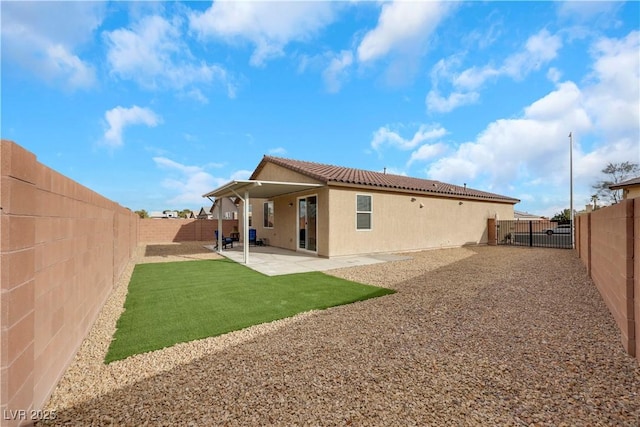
{"x": 492, "y": 235}
{"x": 530, "y": 233}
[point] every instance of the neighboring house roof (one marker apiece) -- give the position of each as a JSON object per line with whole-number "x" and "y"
{"x": 627, "y": 183}
{"x": 526, "y": 215}
{"x": 329, "y": 174}
{"x": 202, "y": 214}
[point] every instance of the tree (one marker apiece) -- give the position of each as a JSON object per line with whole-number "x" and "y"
{"x": 184, "y": 213}
{"x": 142, "y": 213}
{"x": 562, "y": 216}
{"x": 615, "y": 174}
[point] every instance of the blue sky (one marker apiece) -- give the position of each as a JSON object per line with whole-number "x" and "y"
{"x": 153, "y": 104}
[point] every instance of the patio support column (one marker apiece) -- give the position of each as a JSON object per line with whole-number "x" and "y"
{"x": 219, "y": 203}
{"x": 245, "y": 227}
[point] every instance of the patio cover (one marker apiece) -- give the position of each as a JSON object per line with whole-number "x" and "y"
{"x": 246, "y": 189}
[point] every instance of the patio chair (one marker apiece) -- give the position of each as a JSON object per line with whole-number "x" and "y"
{"x": 225, "y": 241}
{"x": 253, "y": 240}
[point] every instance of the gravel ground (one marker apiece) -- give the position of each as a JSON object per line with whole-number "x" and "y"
{"x": 474, "y": 336}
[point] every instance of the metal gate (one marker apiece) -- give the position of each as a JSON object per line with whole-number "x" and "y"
{"x": 534, "y": 233}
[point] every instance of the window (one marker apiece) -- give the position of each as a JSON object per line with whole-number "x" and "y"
{"x": 268, "y": 214}
{"x": 364, "y": 212}
{"x": 250, "y": 215}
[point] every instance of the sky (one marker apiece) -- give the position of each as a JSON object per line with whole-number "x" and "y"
{"x": 153, "y": 104}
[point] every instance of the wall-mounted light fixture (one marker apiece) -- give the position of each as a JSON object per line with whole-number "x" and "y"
{"x": 459, "y": 203}
{"x": 290, "y": 204}
{"x": 421, "y": 205}
{"x": 413, "y": 199}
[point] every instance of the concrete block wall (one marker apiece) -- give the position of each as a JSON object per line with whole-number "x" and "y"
{"x": 636, "y": 273}
{"x": 607, "y": 241}
{"x": 182, "y": 230}
{"x": 62, "y": 249}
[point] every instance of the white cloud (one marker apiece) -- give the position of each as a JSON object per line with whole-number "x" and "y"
{"x": 402, "y": 27}
{"x": 241, "y": 174}
{"x": 34, "y": 39}
{"x": 119, "y": 117}
{"x": 603, "y": 116}
{"x": 386, "y": 136}
{"x": 153, "y": 54}
{"x": 440, "y": 104}
{"x": 188, "y": 184}
{"x": 269, "y": 26}
{"x": 278, "y": 151}
{"x": 587, "y": 10}
{"x": 617, "y": 72}
{"x": 336, "y": 72}
{"x": 554, "y": 75}
{"x": 531, "y": 146}
{"x": 538, "y": 50}
{"x": 427, "y": 152}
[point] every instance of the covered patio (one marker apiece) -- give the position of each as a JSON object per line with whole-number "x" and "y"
{"x": 245, "y": 190}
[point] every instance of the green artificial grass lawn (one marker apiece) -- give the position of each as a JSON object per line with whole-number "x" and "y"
{"x": 173, "y": 302}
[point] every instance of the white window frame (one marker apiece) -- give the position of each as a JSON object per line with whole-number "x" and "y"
{"x": 265, "y": 214}
{"x": 370, "y": 212}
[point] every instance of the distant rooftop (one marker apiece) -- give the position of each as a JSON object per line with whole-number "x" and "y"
{"x": 627, "y": 183}
{"x": 525, "y": 215}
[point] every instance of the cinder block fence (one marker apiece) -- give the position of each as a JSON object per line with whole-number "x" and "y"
{"x": 62, "y": 249}
{"x": 608, "y": 243}
{"x": 182, "y": 230}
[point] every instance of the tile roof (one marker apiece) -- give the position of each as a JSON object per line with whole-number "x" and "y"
{"x": 633, "y": 181}
{"x": 337, "y": 174}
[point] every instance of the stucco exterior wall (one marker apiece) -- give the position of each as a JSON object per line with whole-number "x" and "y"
{"x": 632, "y": 192}
{"x": 271, "y": 172}
{"x": 63, "y": 248}
{"x": 283, "y": 234}
{"x": 400, "y": 224}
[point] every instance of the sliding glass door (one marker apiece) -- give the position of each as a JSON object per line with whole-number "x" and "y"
{"x": 307, "y": 223}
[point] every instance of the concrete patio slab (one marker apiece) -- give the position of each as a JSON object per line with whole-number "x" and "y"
{"x": 273, "y": 261}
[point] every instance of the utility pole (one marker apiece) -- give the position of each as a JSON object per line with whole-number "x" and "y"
{"x": 573, "y": 239}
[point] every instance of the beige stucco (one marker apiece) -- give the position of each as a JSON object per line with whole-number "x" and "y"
{"x": 398, "y": 223}
{"x": 272, "y": 172}
{"x": 631, "y": 192}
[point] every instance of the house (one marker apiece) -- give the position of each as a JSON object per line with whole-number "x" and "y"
{"x": 526, "y": 216}
{"x": 203, "y": 214}
{"x": 163, "y": 214}
{"x": 332, "y": 211}
{"x": 229, "y": 208}
{"x": 630, "y": 188}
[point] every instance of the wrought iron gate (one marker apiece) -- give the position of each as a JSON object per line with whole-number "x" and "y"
{"x": 534, "y": 233}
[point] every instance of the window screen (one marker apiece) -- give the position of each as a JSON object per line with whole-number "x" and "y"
{"x": 363, "y": 212}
